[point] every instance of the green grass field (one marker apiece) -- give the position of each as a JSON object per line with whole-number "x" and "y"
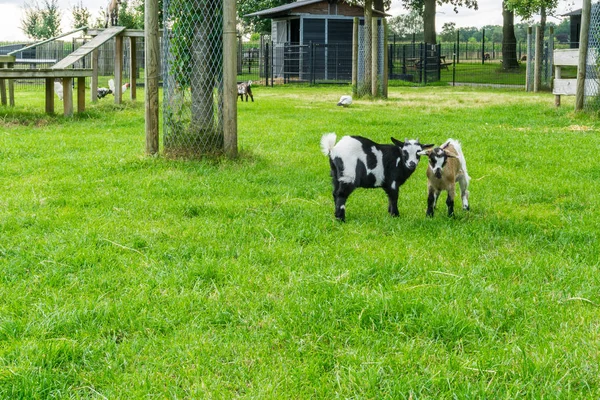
{"x": 124, "y": 276}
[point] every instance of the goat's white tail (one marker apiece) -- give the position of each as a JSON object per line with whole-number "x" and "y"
{"x": 461, "y": 155}
{"x": 327, "y": 143}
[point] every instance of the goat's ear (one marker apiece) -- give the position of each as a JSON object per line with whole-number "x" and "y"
{"x": 427, "y": 146}
{"x": 424, "y": 152}
{"x": 449, "y": 155}
{"x": 397, "y": 142}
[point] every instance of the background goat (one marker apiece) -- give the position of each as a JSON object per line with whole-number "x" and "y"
{"x": 245, "y": 88}
{"x": 447, "y": 166}
{"x": 112, "y": 13}
{"x": 356, "y": 161}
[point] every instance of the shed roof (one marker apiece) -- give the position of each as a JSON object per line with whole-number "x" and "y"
{"x": 286, "y": 9}
{"x": 572, "y": 13}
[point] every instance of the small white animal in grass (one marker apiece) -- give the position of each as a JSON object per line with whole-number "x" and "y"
{"x": 111, "y": 86}
{"x": 345, "y": 101}
{"x": 58, "y": 89}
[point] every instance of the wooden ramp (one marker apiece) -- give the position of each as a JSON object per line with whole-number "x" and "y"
{"x": 90, "y": 46}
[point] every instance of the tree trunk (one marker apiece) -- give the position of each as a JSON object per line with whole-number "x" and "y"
{"x": 429, "y": 21}
{"x": 365, "y": 85}
{"x": 509, "y": 40}
{"x": 539, "y": 48}
{"x": 202, "y": 82}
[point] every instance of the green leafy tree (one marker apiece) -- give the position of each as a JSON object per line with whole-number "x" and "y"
{"x": 407, "y": 25}
{"x": 130, "y": 16}
{"x": 256, "y": 24}
{"x": 448, "y": 33}
{"x": 526, "y": 9}
{"x": 41, "y": 22}
{"x": 429, "y": 10}
{"x": 81, "y": 16}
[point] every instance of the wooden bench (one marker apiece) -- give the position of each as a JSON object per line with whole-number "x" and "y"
{"x": 49, "y": 75}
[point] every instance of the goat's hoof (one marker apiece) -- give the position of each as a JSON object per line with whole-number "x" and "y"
{"x": 467, "y": 208}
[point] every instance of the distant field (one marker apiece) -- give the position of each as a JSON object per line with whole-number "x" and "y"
{"x": 124, "y": 276}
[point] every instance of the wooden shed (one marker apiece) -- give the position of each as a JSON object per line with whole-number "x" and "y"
{"x": 575, "y": 27}
{"x": 313, "y": 34}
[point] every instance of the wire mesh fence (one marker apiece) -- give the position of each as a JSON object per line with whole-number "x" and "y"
{"x": 591, "y": 99}
{"x": 193, "y": 77}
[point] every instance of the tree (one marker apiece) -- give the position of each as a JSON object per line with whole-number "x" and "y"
{"x": 429, "y": 9}
{"x": 448, "y": 32}
{"x": 407, "y": 25}
{"x": 81, "y": 16}
{"x": 130, "y": 16}
{"x": 527, "y": 9}
{"x": 257, "y": 24}
{"x": 509, "y": 40}
{"x": 41, "y": 23}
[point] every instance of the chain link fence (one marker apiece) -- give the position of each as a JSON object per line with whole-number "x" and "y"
{"x": 193, "y": 77}
{"x": 591, "y": 99}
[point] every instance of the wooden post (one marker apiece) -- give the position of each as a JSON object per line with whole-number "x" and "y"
{"x": 80, "y": 94}
{"x": 151, "y": 74}
{"x": 50, "y": 95}
{"x": 355, "y": 56}
{"x": 229, "y": 78}
{"x": 133, "y": 67}
{"x": 548, "y": 71}
{"x": 11, "y": 89}
{"x": 3, "y": 91}
{"x": 67, "y": 96}
{"x": 94, "y": 84}
{"x": 374, "y": 57}
{"x": 385, "y": 59}
{"x": 539, "y": 39}
{"x": 557, "y": 75}
{"x": 529, "y": 70}
{"x": 583, "y": 50}
{"x": 118, "y": 68}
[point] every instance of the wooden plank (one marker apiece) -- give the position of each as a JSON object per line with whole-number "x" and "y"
{"x": 44, "y": 73}
{"x": 138, "y": 33}
{"x": 68, "y": 96}
{"x": 87, "y": 48}
{"x": 566, "y": 57}
{"x": 565, "y": 87}
{"x": 80, "y": 94}
{"x": 50, "y": 95}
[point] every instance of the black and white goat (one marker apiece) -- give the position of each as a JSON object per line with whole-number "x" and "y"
{"x": 447, "y": 166}
{"x": 245, "y": 89}
{"x": 356, "y": 161}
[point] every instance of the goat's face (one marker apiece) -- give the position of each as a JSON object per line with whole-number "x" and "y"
{"x": 410, "y": 150}
{"x": 437, "y": 160}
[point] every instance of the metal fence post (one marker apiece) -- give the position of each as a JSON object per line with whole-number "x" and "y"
{"x": 454, "y": 61}
{"x": 266, "y": 63}
{"x": 457, "y": 46}
{"x": 483, "y": 46}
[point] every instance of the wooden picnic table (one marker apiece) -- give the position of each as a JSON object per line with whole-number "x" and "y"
{"x": 416, "y": 62}
{"x": 49, "y": 75}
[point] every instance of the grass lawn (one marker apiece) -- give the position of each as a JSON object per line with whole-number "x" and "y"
{"x": 124, "y": 276}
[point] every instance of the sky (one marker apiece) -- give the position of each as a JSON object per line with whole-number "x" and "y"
{"x": 489, "y": 13}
